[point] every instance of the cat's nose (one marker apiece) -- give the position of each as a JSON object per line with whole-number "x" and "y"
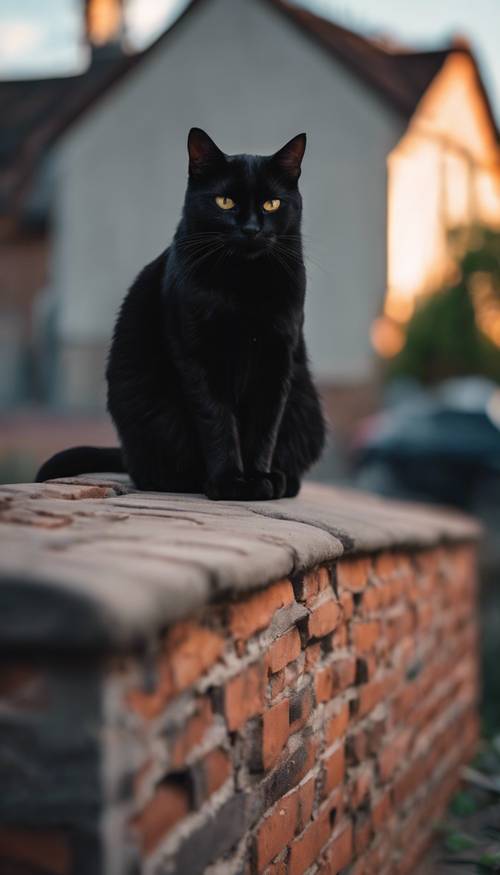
{"x": 250, "y": 229}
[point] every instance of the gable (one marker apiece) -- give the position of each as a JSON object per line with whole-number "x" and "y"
{"x": 454, "y": 109}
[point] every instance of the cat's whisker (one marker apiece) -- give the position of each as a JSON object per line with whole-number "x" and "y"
{"x": 185, "y": 244}
{"x": 310, "y": 244}
{"x": 294, "y": 258}
{"x": 299, "y": 258}
{"x": 286, "y": 267}
{"x": 192, "y": 265}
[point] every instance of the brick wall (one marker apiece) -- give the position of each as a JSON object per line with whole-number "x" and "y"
{"x": 316, "y": 726}
{"x": 163, "y": 714}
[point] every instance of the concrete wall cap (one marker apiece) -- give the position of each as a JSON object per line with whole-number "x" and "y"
{"x": 91, "y": 562}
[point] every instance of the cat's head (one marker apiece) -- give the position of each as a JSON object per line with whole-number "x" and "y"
{"x": 249, "y": 201}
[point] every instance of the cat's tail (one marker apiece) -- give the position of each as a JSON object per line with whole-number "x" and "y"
{"x": 82, "y": 460}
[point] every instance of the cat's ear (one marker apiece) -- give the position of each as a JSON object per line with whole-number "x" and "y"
{"x": 289, "y": 158}
{"x": 203, "y": 153}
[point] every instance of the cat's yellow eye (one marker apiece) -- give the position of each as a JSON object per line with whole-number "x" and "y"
{"x": 225, "y": 203}
{"x": 271, "y": 206}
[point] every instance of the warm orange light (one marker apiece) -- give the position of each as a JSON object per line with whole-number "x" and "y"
{"x": 103, "y": 20}
{"x": 444, "y": 172}
{"x": 486, "y": 305}
{"x": 387, "y": 337}
{"x": 399, "y": 307}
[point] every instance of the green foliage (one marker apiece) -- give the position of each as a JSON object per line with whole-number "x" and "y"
{"x": 489, "y": 863}
{"x": 463, "y": 804}
{"x": 459, "y": 841}
{"x": 443, "y": 338}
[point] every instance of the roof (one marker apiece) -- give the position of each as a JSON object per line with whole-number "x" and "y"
{"x": 400, "y": 78}
{"x": 90, "y": 561}
{"x": 35, "y": 113}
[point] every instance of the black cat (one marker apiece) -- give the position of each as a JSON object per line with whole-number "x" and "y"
{"x": 208, "y": 380}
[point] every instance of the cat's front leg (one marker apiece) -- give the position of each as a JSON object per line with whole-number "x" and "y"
{"x": 263, "y": 422}
{"x": 219, "y": 439}
{"x": 263, "y": 427}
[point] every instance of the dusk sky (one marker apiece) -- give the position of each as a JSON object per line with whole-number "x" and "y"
{"x": 42, "y": 37}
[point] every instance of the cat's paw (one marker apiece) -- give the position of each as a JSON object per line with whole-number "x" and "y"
{"x": 292, "y": 486}
{"x": 236, "y": 487}
{"x": 262, "y": 486}
{"x": 277, "y": 479}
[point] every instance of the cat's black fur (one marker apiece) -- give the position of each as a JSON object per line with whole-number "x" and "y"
{"x": 208, "y": 381}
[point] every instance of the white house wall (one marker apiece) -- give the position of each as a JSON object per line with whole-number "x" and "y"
{"x": 243, "y": 72}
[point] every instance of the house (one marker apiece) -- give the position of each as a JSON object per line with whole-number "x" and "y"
{"x": 400, "y": 146}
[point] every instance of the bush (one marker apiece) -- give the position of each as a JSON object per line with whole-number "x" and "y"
{"x": 451, "y": 332}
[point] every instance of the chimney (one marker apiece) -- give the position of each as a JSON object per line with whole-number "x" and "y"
{"x": 104, "y": 27}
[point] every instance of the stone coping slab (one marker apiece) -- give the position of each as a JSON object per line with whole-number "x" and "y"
{"x": 92, "y": 562}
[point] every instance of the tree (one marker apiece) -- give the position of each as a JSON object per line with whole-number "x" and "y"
{"x": 455, "y": 331}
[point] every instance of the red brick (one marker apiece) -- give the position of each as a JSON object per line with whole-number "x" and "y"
{"x": 192, "y": 650}
{"x": 409, "y": 782}
{"x": 381, "y": 809}
{"x": 376, "y": 732}
{"x": 362, "y": 833}
{"x": 347, "y": 602}
{"x": 357, "y": 747}
{"x": 307, "y": 847}
{"x": 370, "y": 599}
{"x": 362, "y": 782}
{"x": 192, "y": 732}
{"x": 275, "y": 731}
{"x": 312, "y": 655}
{"x": 47, "y": 849}
{"x": 306, "y": 801}
{"x": 278, "y": 868}
{"x": 334, "y": 678}
{"x": 324, "y": 619}
{"x": 283, "y": 650}
{"x": 374, "y": 692}
{"x": 311, "y": 749}
{"x": 425, "y": 615}
{"x": 336, "y": 725}
{"x": 393, "y": 754}
{"x": 217, "y": 767}
{"x": 244, "y": 696}
{"x": 151, "y": 704}
{"x": 293, "y": 671}
{"x": 399, "y": 625}
{"x": 404, "y": 701}
{"x": 315, "y": 582}
{"x": 301, "y": 705}
{"x": 365, "y": 635}
{"x": 352, "y": 574}
{"x": 277, "y": 683}
{"x": 340, "y": 637}
{"x": 389, "y": 566}
{"x": 166, "y": 808}
{"x": 340, "y": 851}
{"x": 277, "y": 829}
{"x": 334, "y": 769}
{"x": 254, "y": 613}
{"x": 413, "y": 853}
{"x": 366, "y": 668}
{"x": 376, "y": 861}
